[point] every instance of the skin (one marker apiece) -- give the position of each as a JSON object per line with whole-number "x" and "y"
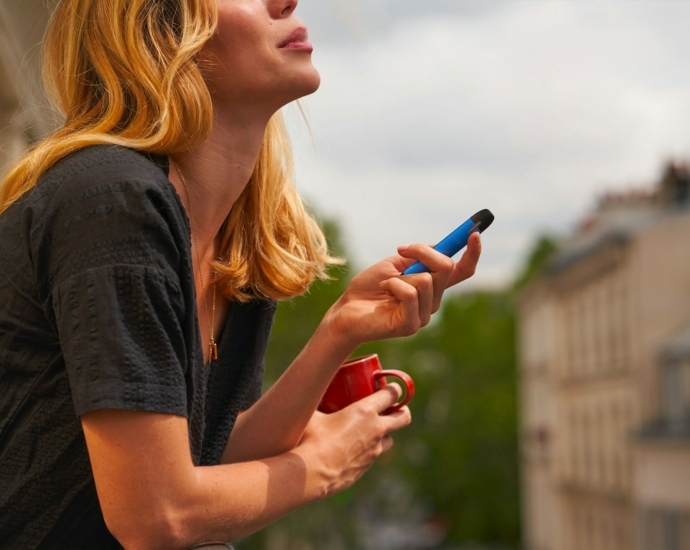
{"x": 281, "y": 453}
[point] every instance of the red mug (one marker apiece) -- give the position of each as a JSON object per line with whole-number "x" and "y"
{"x": 359, "y": 377}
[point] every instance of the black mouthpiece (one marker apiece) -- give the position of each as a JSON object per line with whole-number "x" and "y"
{"x": 483, "y": 219}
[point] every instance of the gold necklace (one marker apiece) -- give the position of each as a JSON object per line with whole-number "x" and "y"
{"x": 212, "y": 347}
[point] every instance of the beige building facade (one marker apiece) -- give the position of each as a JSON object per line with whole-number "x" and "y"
{"x": 24, "y": 113}
{"x": 605, "y": 380}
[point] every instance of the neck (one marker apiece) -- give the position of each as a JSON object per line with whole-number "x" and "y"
{"x": 218, "y": 170}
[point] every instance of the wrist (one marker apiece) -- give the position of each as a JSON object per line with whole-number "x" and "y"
{"x": 332, "y": 330}
{"x": 317, "y": 484}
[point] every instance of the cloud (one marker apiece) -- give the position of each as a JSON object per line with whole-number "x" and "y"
{"x": 529, "y": 109}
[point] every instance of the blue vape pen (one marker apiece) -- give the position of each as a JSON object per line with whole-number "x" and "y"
{"x": 457, "y": 240}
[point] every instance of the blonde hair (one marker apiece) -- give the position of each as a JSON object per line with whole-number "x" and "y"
{"x": 123, "y": 72}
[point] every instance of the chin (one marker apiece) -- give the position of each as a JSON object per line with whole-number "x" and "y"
{"x": 314, "y": 84}
{"x": 299, "y": 88}
{"x": 307, "y": 83}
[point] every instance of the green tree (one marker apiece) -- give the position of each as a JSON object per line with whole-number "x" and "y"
{"x": 326, "y": 524}
{"x": 537, "y": 260}
{"x": 297, "y": 319}
{"x": 455, "y": 468}
{"x": 459, "y": 456}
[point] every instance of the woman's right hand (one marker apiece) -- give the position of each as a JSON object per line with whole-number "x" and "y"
{"x": 340, "y": 447}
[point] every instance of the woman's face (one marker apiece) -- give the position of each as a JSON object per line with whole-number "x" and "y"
{"x": 260, "y": 55}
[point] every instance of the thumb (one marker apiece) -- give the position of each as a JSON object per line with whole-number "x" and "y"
{"x": 384, "y": 398}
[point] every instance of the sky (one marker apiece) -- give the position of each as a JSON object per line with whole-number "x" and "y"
{"x": 431, "y": 110}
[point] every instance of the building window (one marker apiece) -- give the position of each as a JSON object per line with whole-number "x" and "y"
{"x": 601, "y": 442}
{"x": 622, "y": 326}
{"x": 598, "y": 306}
{"x": 682, "y": 191}
{"x": 620, "y": 537}
{"x": 676, "y": 393}
{"x": 673, "y": 395}
{"x": 684, "y": 531}
{"x": 604, "y": 533}
{"x": 671, "y": 526}
{"x": 570, "y": 339}
{"x": 664, "y": 529}
{"x": 590, "y": 530}
{"x": 572, "y": 442}
{"x": 580, "y": 342}
{"x": 619, "y": 451}
{"x": 652, "y": 530}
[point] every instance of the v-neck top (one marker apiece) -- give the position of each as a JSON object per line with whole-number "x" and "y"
{"x": 98, "y": 311}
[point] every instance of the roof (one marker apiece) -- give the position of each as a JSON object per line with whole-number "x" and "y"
{"x": 603, "y": 229}
{"x": 573, "y": 254}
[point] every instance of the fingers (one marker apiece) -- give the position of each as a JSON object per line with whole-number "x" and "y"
{"x": 424, "y": 284}
{"x": 421, "y": 305}
{"x": 431, "y": 258}
{"x": 384, "y": 398}
{"x": 409, "y": 320}
{"x": 441, "y": 267}
{"x": 467, "y": 265}
{"x": 421, "y": 293}
{"x": 396, "y": 421}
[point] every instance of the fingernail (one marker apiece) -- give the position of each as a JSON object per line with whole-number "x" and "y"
{"x": 403, "y": 247}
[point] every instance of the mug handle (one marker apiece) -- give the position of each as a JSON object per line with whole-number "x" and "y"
{"x": 407, "y": 381}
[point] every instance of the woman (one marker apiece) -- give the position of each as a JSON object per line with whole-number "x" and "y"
{"x": 166, "y": 193}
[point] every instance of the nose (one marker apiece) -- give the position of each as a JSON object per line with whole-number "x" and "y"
{"x": 282, "y": 8}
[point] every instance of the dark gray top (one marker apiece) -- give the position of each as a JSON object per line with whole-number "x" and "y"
{"x": 98, "y": 310}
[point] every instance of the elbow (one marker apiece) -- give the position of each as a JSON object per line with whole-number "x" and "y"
{"x": 160, "y": 527}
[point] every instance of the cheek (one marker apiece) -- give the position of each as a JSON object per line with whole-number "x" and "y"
{"x": 240, "y": 39}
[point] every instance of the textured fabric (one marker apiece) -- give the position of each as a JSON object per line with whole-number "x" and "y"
{"x": 98, "y": 310}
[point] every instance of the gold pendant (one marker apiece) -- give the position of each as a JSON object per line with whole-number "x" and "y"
{"x": 212, "y": 351}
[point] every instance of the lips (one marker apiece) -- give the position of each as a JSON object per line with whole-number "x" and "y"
{"x": 297, "y": 39}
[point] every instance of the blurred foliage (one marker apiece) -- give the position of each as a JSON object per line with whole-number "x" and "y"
{"x": 297, "y": 319}
{"x": 459, "y": 456}
{"x": 537, "y": 260}
{"x": 452, "y": 476}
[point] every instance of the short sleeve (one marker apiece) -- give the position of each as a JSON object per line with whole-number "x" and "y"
{"x": 122, "y": 341}
{"x": 108, "y": 256}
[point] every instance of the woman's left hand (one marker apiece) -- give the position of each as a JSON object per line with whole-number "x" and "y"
{"x": 379, "y": 303}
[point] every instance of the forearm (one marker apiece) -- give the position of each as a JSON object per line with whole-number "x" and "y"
{"x": 153, "y": 496}
{"x": 216, "y": 504}
{"x": 232, "y": 501}
{"x": 275, "y": 424}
